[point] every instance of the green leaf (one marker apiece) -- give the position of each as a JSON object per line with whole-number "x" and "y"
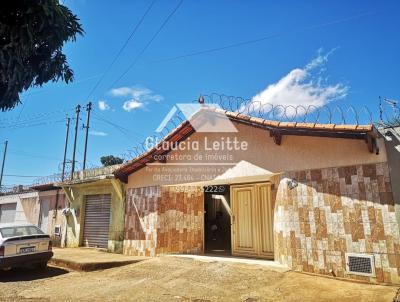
{"x": 24, "y": 24}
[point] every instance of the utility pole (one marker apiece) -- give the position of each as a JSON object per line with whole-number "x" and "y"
{"x": 88, "y": 109}
{"x": 4, "y": 159}
{"x": 65, "y": 150}
{"x": 78, "y": 109}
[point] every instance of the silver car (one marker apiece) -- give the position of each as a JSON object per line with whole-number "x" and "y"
{"x": 23, "y": 245}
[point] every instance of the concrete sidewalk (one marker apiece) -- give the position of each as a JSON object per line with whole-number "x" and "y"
{"x": 269, "y": 264}
{"x": 88, "y": 259}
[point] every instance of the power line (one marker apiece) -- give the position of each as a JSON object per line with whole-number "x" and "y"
{"x": 26, "y": 154}
{"x": 71, "y": 84}
{"x": 127, "y": 132}
{"x": 17, "y": 175}
{"x": 33, "y": 125}
{"x": 24, "y": 123}
{"x": 90, "y": 162}
{"x": 11, "y": 186}
{"x": 147, "y": 45}
{"x": 121, "y": 130}
{"x": 16, "y": 120}
{"x": 121, "y": 49}
{"x": 23, "y": 106}
{"x": 247, "y": 42}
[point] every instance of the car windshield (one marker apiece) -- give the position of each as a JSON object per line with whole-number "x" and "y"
{"x": 15, "y": 231}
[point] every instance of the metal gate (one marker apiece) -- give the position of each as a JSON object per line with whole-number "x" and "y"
{"x": 97, "y": 221}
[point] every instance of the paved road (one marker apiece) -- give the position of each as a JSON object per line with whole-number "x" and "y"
{"x": 180, "y": 279}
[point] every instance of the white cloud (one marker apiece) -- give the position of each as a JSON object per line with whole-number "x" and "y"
{"x": 302, "y": 86}
{"x": 139, "y": 96}
{"x": 123, "y": 91}
{"x": 103, "y": 106}
{"x": 97, "y": 133}
{"x": 132, "y": 105}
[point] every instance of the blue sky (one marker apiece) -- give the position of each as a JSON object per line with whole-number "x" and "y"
{"x": 344, "y": 52}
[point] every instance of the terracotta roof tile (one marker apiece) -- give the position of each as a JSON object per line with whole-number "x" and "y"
{"x": 345, "y": 127}
{"x": 243, "y": 116}
{"x": 287, "y": 125}
{"x": 324, "y": 126}
{"x": 305, "y": 125}
{"x": 271, "y": 123}
{"x": 257, "y": 120}
{"x": 232, "y": 114}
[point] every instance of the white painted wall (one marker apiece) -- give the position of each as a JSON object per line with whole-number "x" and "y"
{"x": 20, "y": 215}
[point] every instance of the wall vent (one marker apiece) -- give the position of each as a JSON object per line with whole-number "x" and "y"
{"x": 360, "y": 264}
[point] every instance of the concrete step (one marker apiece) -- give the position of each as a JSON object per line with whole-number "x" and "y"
{"x": 86, "y": 259}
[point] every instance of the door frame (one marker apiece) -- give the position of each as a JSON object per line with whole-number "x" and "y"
{"x": 41, "y": 212}
{"x": 226, "y": 205}
{"x": 258, "y": 240}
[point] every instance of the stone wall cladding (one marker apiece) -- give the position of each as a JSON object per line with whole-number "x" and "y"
{"x": 141, "y": 217}
{"x": 337, "y": 210}
{"x": 163, "y": 220}
{"x": 181, "y": 221}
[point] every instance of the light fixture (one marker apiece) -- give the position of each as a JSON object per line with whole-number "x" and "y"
{"x": 292, "y": 183}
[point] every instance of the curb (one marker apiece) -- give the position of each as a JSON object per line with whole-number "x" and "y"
{"x": 89, "y": 266}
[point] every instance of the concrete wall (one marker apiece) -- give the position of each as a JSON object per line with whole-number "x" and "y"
{"x": 262, "y": 156}
{"x": 28, "y": 207}
{"x": 55, "y": 212}
{"x": 77, "y": 193}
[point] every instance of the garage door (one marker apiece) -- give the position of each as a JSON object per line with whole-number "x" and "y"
{"x": 7, "y": 212}
{"x": 97, "y": 221}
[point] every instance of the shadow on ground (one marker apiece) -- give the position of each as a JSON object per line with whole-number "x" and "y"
{"x": 16, "y": 275}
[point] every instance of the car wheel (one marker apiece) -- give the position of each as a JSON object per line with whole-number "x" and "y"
{"x": 42, "y": 266}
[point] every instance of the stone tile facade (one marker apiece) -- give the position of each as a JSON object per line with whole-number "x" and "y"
{"x": 163, "y": 220}
{"x": 141, "y": 218}
{"x": 181, "y": 221}
{"x": 337, "y": 210}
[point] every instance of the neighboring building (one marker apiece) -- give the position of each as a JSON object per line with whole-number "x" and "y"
{"x": 40, "y": 205}
{"x": 315, "y": 197}
{"x": 51, "y": 204}
{"x": 19, "y": 205}
{"x": 95, "y": 215}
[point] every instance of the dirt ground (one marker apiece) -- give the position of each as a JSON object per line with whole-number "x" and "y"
{"x": 180, "y": 279}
